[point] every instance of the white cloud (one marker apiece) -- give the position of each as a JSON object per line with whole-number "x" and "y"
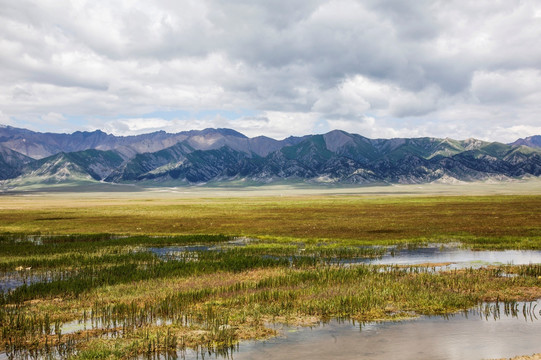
{"x": 497, "y": 87}
{"x": 364, "y": 125}
{"x": 347, "y": 99}
{"x": 135, "y": 126}
{"x": 509, "y": 134}
{"x": 348, "y": 105}
{"x": 273, "y": 124}
{"x": 279, "y": 124}
{"x": 53, "y": 118}
{"x": 5, "y": 120}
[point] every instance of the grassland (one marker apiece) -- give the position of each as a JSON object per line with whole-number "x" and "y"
{"x": 511, "y": 220}
{"x": 90, "y": 256}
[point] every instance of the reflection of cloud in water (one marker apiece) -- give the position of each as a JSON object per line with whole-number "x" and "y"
{"x": 459, "y": 258}
{"x": 458, "y": 338}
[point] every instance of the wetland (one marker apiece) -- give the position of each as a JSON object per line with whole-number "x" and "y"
{"x": 120, "y": 277}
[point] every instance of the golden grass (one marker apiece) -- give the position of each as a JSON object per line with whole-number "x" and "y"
{"x": 309, "y": 217}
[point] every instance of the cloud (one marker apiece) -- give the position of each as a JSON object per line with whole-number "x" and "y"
{"x": 351, "y": 98}
{"x": 273, "y": 124}
{"x": 53, "y": 118}
{"x": 135, "y": 126}
{"x": 497, "y": 87}
{"x": 5, "y": 120}
{"x": 358, "y": 96}
{"x": 429, "y": 65}
{"x": 363, "y": 125}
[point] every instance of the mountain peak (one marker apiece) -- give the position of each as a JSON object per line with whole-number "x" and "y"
{"x": 224, "y": 132}
{"x": 531, "y": 141}
{"x": 336, "y": 139}
{"x": 89, "y": 133}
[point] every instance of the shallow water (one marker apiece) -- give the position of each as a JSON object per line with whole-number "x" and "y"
{"x": 459, "y": 258}
{"x": 171, "y": 252}
{"x": 168, "y": 252}
{"x": 455, "y": 256}
{"x": 465, "y": 336}
{"x": 14, "y": 279}
{"x": 80, "y": 325}
{"x": 436, "y": 254}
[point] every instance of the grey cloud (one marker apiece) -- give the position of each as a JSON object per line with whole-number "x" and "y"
{"x": 410, "y": 18}
{"x": 419, "y": 59}
{"x": 506, "y": 87}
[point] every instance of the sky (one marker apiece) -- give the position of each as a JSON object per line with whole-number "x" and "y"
{"x": 379, "y": 68}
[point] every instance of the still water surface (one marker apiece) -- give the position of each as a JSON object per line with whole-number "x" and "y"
{"x": 458, "y": 257}
{"x": 464, "y": 336}
{"x": 453, "y": 256}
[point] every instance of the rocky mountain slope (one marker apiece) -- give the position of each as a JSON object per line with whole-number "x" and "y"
{"x": 89, "y": 165}
{"x": 531, "y": 141}
{"x": 11, "y": 163}
{"x": 225, "y": 155}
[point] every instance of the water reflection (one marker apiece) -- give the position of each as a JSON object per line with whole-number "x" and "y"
{"x": 458, "y": 258}
{"x": 13, "y": 279}
{"x": 488, "y": 331}
{"x": 446, "y": 257}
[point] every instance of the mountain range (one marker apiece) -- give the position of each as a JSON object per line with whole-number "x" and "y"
{"x": 220, "y": 155}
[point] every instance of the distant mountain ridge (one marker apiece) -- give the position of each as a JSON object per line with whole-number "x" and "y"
{"x": 531, "y": 141}
{"x": 218, "y": 155}
{"x": 38, "y": 145}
